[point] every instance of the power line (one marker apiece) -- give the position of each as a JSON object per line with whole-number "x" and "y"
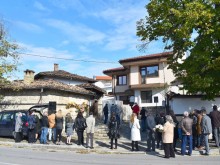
{"x": 70, "y": 59}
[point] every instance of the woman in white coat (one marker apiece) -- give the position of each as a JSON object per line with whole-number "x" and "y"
{"x": 135, "y": 131}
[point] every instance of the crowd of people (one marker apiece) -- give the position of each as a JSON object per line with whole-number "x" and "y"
{"x": 50, "y": 127}
{"x": 194, "y": 129}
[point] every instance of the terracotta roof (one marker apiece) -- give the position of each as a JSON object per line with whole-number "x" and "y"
{"x": 48, "y": 84}
{"x": 103, "y": 78}
{"x": 91, "y": 86}
{"x": 114, "y": 70}
{"x": 63, "y": 74}
{"x": 146, "y": 57}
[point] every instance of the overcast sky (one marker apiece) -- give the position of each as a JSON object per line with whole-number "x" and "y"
{"x": 89, "y": 30}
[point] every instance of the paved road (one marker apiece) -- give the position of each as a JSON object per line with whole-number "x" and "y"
{"x": 20, "y": 156}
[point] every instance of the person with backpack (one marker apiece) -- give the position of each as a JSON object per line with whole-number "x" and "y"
{"x": 80, "y": 126}
{"x": 31, "y": 127}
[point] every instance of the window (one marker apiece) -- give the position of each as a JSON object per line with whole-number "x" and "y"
{"x": 122, "y": 80}
{"x": 146, "y": 96}
{"x": 148, "y": 71}
{"x": 7, "y": 117}
{"x": 0, "y": 116}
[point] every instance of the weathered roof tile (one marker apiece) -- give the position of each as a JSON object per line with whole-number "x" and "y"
{"x": 63, "y": 74}
{"x": 48, "y": 84}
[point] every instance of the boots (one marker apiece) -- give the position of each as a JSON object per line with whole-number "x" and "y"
{"x": 111, "y": 144}
{"x": 136, "y": 146}
{"x": 116, "y": 143}
{"x": 132, "y": 146}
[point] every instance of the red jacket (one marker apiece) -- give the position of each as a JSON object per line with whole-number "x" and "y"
{"x": 136, "y": 109}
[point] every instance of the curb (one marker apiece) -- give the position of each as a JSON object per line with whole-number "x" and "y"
{"x": 97, "y": 150}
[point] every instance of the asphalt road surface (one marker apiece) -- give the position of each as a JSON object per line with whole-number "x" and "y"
{"x": 21, "y": 156}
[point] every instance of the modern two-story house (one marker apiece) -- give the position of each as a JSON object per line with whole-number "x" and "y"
{"x": 143, "y": 79}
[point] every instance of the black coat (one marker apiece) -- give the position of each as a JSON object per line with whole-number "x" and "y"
{"x": 113, "y": 129}
{"x": 44, "y": 121}
{"x": 80, "y": 124}
{"x": 59, "y": 122}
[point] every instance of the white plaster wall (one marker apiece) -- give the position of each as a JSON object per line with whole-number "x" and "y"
{"x": 168, "y": 76}
{"x": 106, "y": 86}
{"x": 165, "y": 75}
{"x": 155, "y": 92}
{"x": 179, "y": 105}
{"x": 134, "y": 75}
{"x": 121, "y": 88}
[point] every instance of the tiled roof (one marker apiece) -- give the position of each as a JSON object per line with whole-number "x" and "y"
{"x": 114, "y": 70}
{"x": 48, "y": 84}
{"x": 63, "y": 74}
{"x": 103, "y": 78}
{"x": 146, "y": 57}
{"x": 91, "y": 86}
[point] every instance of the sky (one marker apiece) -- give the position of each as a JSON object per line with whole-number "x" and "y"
{"x": 84, "y": 37}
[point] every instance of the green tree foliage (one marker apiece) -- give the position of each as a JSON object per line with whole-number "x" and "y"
{"x": 8, "y": 56}
{"x": 191, "y": 27}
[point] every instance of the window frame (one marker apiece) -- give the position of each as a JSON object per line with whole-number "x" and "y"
{"x": 143, "y": 69}
{"x": 123, "y": 83}
{"x": 151, "y": 97}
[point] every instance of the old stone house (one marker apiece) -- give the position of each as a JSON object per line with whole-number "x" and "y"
{"x": 57, "y": 86}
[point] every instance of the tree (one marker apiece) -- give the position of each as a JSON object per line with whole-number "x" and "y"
{"x": 8, "y": 56}
{"x": 191, "y": 27}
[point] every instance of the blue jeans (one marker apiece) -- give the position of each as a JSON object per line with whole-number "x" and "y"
{"x": 180, "y": 133}
{"x": 43, "y": 137}
{"x": 185, "y": 140}
{"x": 52, "y": 131}
{"x": 206, "y": 140}
{"x": 216, "y": 132}
{"x": 199, "y": 140}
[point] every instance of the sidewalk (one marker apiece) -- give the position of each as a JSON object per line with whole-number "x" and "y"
{"x": 100, "y": 147}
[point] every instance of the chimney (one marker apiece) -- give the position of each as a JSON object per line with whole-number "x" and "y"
{"x": 28, "y": 76}
{"x": 56, "y": 67}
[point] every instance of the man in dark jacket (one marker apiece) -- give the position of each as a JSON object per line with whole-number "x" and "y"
{"x": 206, "y": 127}
{"x": 150, "y": 126}
{"x": 105, "y": 111}
{"x": 143, "y": 119}
{"x": 215, "y": 117}
{"x": 44, "y": 128}
{"x": 186, "y": 126}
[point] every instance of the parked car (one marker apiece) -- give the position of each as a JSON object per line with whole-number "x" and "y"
{"x": 8, "y": 117}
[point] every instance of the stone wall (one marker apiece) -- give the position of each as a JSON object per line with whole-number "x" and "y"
{"x": 25, "y": 99}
